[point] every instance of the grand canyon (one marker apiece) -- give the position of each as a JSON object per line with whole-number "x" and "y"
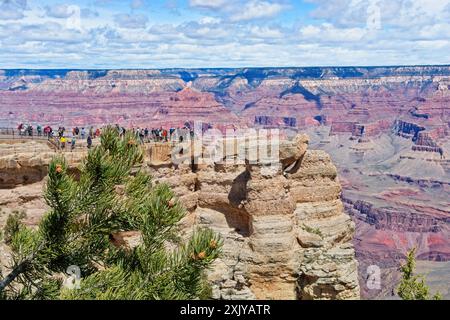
{"x": 385, "y": 129}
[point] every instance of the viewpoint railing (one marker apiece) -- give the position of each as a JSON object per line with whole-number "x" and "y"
{"x": 8, "y": 134}
{"x": 13, "y": 134}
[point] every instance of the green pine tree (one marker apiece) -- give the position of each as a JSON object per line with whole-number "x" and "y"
{"x": 110, "y": 195}
{"x": 413, "y": 287}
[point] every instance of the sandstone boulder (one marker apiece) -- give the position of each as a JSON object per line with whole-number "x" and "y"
{"x": 292, "y": 151}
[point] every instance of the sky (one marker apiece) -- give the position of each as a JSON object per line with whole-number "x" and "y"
{"x": 100, "y": 34}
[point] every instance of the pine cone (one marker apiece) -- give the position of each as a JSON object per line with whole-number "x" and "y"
{"x": 59, "y": 168}
{"x": 202, "y": 255}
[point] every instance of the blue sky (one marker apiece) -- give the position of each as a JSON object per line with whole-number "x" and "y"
{"x": 222, "y": 33}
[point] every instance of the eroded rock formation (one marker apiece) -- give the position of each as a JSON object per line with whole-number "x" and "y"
{"x": 286, "y": 235}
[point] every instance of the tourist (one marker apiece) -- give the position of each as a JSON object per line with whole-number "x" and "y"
{"x": 20, "y": 128}
{"x": 89, "y": 142}
{"x": 62, "y": 141}
{"x": 142, "y": 136}
{"x": 72, "y": 144}
{"x": 136, "y": 133}
{"x": 30, "y": 130}
{"x": 83, "y": 133}
{"x": 49, "y": 132}
{"x": 39, "y": 130}
{"x": 24, "y": 130}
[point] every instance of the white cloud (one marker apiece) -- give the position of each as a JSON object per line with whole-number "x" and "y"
{"x": 231, "y": 33}
{"x": 209, "y": 4}
{"x": 87, "y": 13}
{"x": 265, "y": 32}
{"x": 411, "y": 13}
{"x": 136, "y": 4}
{"x": 12, "y": 9}
{"x": 329, "y": 33}
{"x": 436, "y": 31}
{"x": 237, "y": 11}
{"x": 256, "y": 10}
{"x": 61, "y": 11}
{"x": 49, "y": 32}
{"x": 210, "y": 20}
{"x": 131, "y": 21}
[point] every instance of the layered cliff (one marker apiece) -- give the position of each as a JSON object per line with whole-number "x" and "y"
{"x": 305, "y": 96}
{"x": 286, "y": 235}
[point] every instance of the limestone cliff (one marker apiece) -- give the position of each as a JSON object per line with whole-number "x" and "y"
{"x": 285, "y": 233}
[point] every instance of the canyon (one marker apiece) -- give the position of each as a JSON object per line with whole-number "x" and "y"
{"x": 386, "y": 130}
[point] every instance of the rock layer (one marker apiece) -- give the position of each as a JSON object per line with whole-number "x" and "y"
{"x": 286, "y": 235}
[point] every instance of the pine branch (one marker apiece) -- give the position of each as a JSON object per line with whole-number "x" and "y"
{"x": 108, "y": 197}
{"x": 20, "y": 268}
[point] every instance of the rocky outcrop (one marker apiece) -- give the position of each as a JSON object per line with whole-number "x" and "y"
{"x": 25, "y": 161}
{"x": 272, "y": 121}
{"x": 285, "y": 233}
{"x": 389, "y": 219}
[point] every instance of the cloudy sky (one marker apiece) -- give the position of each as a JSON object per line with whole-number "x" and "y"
{"x": 222, "y": 33}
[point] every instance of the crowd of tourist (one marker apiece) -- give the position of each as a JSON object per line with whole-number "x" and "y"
{"x": 62, "y": 138}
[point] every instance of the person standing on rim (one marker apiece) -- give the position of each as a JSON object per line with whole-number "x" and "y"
{"x": 89, "y": 141}
{"x": 72, "y": 144}
{"x": 63, "y": 142}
